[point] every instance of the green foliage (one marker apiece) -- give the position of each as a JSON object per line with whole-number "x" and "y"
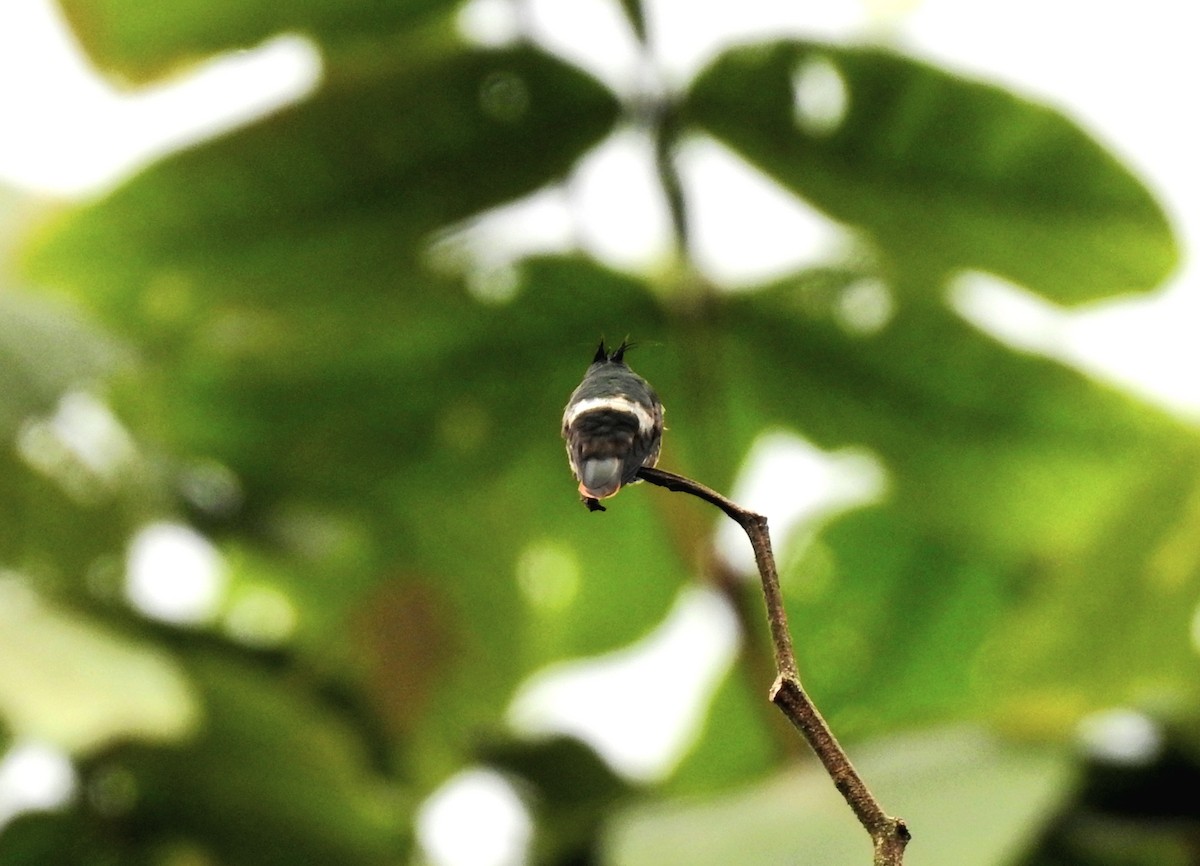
{"x": 139, "y": 46}
{"x": 942, "y": 172}
{"x": 366, "y": 435}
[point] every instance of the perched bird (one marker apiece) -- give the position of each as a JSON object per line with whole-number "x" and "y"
{"x": 613, "y": 425}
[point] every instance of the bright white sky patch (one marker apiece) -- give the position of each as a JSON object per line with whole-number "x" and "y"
{"x": 747, "y": 229}
{"x": 592, "y": 34}
{"x": 688, "y": 35}
{"x": 69, "y": 132}
{"x": 1147, "y": 345}
{"x": 623, "y": 218}
{"x": 638, "y": 707}
{"x": 489, "y": 22}
{"x": 793, "y": 482}
{"x": 540, "y": 223}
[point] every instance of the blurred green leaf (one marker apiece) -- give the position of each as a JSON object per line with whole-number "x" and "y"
{"x": 896, "y": 619}
{"x": 1030, "y": 516}
{"x": 140, "y": 42}
{"x": 351, "y": 451}
{"x": 67, "y": 837}
{"x": 1005, "y": 450}
{"x": 273, "y": 776}
{"x": 943, "y": 173}
{"x": 966, "y": 798}
{"x": 80, "y": 685}
{"x": 329, "y": 199}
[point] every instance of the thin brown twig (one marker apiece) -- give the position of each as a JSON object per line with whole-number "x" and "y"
{"x": 889, "y": 835}
{"x": 756, "y": 658}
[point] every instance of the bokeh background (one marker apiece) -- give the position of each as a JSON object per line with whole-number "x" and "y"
{"x": 291, "y": 295}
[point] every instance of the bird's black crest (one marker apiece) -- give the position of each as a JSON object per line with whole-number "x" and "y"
{"x": 616, "y": 357}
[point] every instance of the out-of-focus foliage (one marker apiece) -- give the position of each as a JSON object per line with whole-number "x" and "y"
{"x": 258, "y": 333}
{"x": 1000, "y": 184}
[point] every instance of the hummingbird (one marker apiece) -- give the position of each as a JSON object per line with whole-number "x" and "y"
{"x": 613, "y": 425}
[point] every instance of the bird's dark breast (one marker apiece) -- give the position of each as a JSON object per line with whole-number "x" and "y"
{"x": 606, "y": 425}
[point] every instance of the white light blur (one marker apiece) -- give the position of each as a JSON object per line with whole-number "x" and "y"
{"x": 488, "y": 245}
{"x": 865, "y": 306}
{"x": 820, "y": 96}
{"x": 493, "y": 23}
{"x": 81, "y": 445}
{"x": 500, "y": 828}
{"x": 90, "y": 431}
{"x": 1147, "y": 345}
{"x": 34, "y": 777}
{"x": 639, "y": 707}
{"x": 1121, "y": 736}
{"x": 622, "y": 216}
{"x": 70, "y": 132}
{"x": 1008, "y": 312}
{"x": 174, "y": 574}
{"x": 793, "y": 483}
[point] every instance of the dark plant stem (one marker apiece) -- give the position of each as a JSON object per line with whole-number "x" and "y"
{"x": 888, "y": 835}
{"x": 665, "y": 135}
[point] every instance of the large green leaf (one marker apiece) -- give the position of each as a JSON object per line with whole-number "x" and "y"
{"x": 1003, "y": 449}
{"x": 140, "y": 42}
{"x": 1022, "y": 494}
{"x": 289, "y": 331}
{"x": 332, "y": 197}
{"x": 943, "y": 173}
{"x": 354, "y": 450}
